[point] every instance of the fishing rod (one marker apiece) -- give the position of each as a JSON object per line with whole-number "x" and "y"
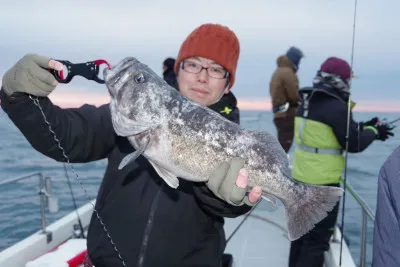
{"x": 394, "y": 121}
{"x": 390, "y": 124}
{"x": 82, "y": 233}
{"x": 347, "y": 133}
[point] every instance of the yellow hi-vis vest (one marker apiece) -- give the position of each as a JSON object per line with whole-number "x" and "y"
{"x": 318, "y": 156}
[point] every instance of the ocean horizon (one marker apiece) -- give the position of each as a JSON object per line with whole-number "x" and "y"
{"x": 20, "y": 206}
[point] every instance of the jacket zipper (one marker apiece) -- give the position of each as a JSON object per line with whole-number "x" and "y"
{"x": 149, "y": 226}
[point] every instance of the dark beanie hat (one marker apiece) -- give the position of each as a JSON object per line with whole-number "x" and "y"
{"x": 337, "y": 66}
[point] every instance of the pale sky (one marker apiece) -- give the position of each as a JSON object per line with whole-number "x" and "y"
{"x": 80, "y": 31}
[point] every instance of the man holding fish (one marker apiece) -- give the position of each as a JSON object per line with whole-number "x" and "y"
{"x": 151, "y": 223}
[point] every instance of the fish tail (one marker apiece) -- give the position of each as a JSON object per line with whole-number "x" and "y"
{"x": 309, "y": 208}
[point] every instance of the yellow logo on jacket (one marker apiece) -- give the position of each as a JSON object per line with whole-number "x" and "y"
{"x": 226, "y": 110}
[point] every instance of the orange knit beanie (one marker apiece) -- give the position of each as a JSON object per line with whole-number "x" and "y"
{"x": 215, "y": 42}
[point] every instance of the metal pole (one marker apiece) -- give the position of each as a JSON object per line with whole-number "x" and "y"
{"x": 42, "y": 194}
{"x": 363, "y": 245}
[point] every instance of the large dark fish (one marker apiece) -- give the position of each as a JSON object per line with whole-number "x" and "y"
{"x": 183, "y": 139}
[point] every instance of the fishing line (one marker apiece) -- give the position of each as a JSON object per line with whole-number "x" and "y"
{"x": 73, "y": 201}
{"x": 241, "y": 222}
{"x": 348, "y": 132}
{"x": 37, "y": 103}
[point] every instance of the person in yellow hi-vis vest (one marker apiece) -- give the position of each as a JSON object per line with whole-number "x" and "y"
{"x": 320, "y": 140}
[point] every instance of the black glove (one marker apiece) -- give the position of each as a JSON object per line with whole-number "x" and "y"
{"x": 384, "y": 130}
{"x": 372, "y": 122}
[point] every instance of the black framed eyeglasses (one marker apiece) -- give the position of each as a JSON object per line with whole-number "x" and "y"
{"x": 215, "y": 72}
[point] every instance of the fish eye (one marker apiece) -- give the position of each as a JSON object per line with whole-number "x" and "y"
{"x": 139, "y": 78}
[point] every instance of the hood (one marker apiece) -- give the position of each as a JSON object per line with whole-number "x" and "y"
{"x": 284, "y": 62}
{"x": 324, "y": 89}
{"x": 169, "y": 63}
{"x": 295, "y": 55}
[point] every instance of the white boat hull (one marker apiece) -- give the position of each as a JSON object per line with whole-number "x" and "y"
{"x": 262, "y": 239}
{"x": 36, "y": 245}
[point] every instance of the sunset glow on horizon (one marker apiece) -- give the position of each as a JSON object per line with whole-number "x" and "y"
{"x": 70, "y": 100}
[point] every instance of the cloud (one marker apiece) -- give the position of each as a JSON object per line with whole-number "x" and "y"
{"x": 152, "y": 30}
{"x": 69, "y": 97}
{"x": 153, "y": 24}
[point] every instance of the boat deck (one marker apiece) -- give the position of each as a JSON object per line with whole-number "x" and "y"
{"x": 262, "y": 240}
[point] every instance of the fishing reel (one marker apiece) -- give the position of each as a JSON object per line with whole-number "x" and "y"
{"x": 388, "y": 124}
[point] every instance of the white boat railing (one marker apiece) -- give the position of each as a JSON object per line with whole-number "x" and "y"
{"x": 45, "y": 194}
{"x": 366, "y": 213}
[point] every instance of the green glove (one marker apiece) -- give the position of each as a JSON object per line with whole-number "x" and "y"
{"x": 28, "y": 76}
{"x": 223, "y": 183}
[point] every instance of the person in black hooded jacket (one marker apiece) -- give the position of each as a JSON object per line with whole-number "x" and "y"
{"x": 150, "y": 223}
{"x": 320, "y": 143}
{"x": 169, "y": 73}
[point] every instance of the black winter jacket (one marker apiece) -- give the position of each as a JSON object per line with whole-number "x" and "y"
{"x": 330, "y": 107}
{"x": 227, "y": 107}
{"x": 150, "y": 223}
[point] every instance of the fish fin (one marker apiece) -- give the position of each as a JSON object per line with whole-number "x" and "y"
{"x": 134, "y": 155}
{"x": 309, "y": 208}
{"x": 274, "y": 204}
{"x": 270, "y": 198}
{"x": 128, "y": 129}
{"x": 166, "y": 175}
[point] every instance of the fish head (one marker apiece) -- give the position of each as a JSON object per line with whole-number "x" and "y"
{"x": 136, "y": 94}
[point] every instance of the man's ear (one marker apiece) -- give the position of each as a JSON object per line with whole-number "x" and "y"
{"x": 227, "y": 89}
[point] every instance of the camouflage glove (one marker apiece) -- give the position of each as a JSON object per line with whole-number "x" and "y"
{"x": 223, "y": 184}
{"x": 28, "y": 76}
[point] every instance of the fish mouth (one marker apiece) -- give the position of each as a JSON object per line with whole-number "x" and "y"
{"x": 119, "y": 74}
{"x": 125, "y": 63}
